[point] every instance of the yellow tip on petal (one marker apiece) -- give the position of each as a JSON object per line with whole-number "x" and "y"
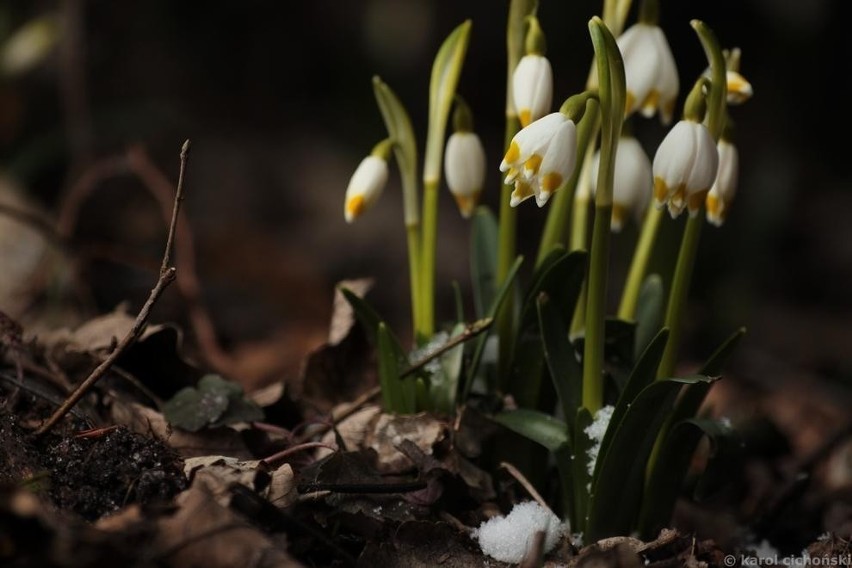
{"x": 651, "y": 102}
{"x": 467, "y": 203}
{"x": 513, "y": 153}
{"x": 661, "y": 190}
{"x": 522, "y": 191}
{"x": 619, "y": 214}
{"x": 551, "y": 182}
{"x": 354, "y": 208}
{"x": 524, "y": 117}
{"x": 532, "y": 165}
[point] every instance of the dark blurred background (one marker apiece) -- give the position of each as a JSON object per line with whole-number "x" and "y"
{"x": 276, "y": 98}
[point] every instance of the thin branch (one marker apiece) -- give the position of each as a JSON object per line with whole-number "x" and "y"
{"x": 134, "y": 333}
{"x": 167, "y": 275}
{"x": 167, "y": 256}
{"x": 187, "y": 280}
{"x": 514, "y": 472}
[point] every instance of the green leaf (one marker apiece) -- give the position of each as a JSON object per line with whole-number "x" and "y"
{"x": 505, "y": 287}
{"x": 398, "y": 125}
{"x": 714, "y": 364}
{"x": 673, "y": 463}
{"x": 390, "y": 356}
{"x": 560, "y": 277}
{"x": 644, "y": 373}
{"x": 213, "y": 402}
{"x": 565, "y": 370}
{"x": 649, "y": 312}
{"x": 665, "y": 481}
{"x": 364, "y": 313}
{"x": 483, "y": 259}
{"x": 537, "y": 426}
{"x": 446, "y": 71}
{"x": 619, "y": 479}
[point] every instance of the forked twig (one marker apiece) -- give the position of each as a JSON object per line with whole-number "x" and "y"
{"x": 167, "y": 275}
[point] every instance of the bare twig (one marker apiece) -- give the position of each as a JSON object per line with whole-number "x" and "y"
{"x": 167, "y": 275}
{"x": 514, "y": 472}
{"x": 294, "y": 449}
{"x": 467, "y": 333}
{"x": 188, "y": 283}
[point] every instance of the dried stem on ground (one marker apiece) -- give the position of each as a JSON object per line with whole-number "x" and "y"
{"x": 167, "y": 275}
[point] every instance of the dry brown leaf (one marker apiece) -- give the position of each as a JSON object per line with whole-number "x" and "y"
{"x": 424, "y": 430}
{"x": 219, "y": 472}
{"x": 205, "y": 534}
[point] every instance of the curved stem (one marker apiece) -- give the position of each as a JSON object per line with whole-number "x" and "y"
{"x": 639, "y": 264}
{"x": 677, "y": 298}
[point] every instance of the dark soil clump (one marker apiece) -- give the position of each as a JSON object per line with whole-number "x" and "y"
{"x": 90, "y": 475}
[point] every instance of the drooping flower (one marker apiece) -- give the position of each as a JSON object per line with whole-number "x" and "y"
{"x": 540, "y": 158}
{"x": 631, "y": 190}
{"x": 365, "y": 185}
{"x": 685, "y": 167}
{"x": 532, "y": 79}
{"x": 650, "y": 71}
{"x": 738, "y": 88}
{"x": 724, "y": 189}
{"x": 464, "y": 165}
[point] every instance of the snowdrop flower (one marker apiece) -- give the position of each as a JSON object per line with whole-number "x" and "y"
{"x": 685, "y": 167}
{"x": 368, "y": 182}
{"x": 650, "y": 71}
{"x": 464, "y": 162}
{"x": 532, "y": 79}
{"x": 738, "y": 88}
{"x": 631, "y": 191}
{"x": 540, "y": 158}
{"x": 725, "y": 187}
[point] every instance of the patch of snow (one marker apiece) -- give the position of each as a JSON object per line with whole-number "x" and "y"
{"x": 595, "y": 431}
{"x": 509, "y": 538}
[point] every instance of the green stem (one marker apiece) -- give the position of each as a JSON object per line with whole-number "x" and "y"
{"x": 680, "y": 289}
{"x": 612, "y": 92}
{"x": 639, "y": 264}
{"x": 506, "y": 254}
{"x": 593, "y": 353}
{"x": 412, "y": 233}
{"x": 427, "y": 260}
{"x": 689, "y": 245}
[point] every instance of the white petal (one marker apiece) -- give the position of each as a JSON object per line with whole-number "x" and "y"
{"x": 560, "y": 158}
{"x": 727, "y": 177}
{"x": 640, "y": 66}
{"x": 633, "y": 177}
{"x": 705, "y": 163}
{"x": 675, "y": 155}
{"x": 531, "y": 140}
{"x": 464, "y": 164}
{"x": 667, "y": 81}
{"x": 365, "y": 186}
{"x": 532, "y": 88}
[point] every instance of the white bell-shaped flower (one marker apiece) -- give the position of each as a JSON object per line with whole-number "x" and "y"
{"x": 532, "y": 88}
{"x": 685, "y": 167}
{"x": 540, "y": 158}
{"x": 632, "y": 182}
{"x": 650, "y": 71}
{"x": 724, "y": 189}
{"x": 365, "y": 186}
{"x": 464, "y": 166}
